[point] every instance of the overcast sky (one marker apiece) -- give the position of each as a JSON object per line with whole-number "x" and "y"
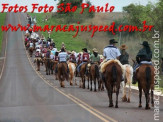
{"x": 119, "y": 4}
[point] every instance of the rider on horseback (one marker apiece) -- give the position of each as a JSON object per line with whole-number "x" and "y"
{"x": 95, "y": 58}
{"x": 144, "y": 56}
{"x": 62, "y": 59}
{"x": 111, "y": 52}
{"x": 72, "y": 57}
{"x": 124, "y": 55}
{"x": 85, "y": 58}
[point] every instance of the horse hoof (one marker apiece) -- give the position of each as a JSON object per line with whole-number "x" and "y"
{"x": 71, "y": 84}
{"x": 147, "y": 108}
{"x": 94, "y": 90}
{"x": 128, "y": 100}
{"x": 140, "y": 106}
{"x": 116, "y": 106}
{"x": 124, "y": 99}
{"x": 111, "y": 105}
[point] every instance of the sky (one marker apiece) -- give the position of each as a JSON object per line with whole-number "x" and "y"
{"x": 119, "y": 4}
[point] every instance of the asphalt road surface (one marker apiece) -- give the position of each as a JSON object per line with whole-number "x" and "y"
{"x": 28, "y": 96}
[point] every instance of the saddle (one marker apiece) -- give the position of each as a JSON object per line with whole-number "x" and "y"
{"x": 105, "y": 63}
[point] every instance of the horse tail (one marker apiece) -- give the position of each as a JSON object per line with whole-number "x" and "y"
{"x": 114, "y": 73}
{"x": 96, "y": 71}
{"x": 148, "y": 76}
{"x": 64, "y": 71}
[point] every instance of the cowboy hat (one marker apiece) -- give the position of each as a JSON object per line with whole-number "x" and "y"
{"x": 112, "y": 41}
{"x": 95, "y": 50}
{"x": 73, "y": 52}
{"x": 123, "y": 47}
{"x": 85, "y": 49}
{"x": 145, "y": 43}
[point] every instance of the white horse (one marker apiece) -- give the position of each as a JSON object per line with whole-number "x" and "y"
{"x": 72, "y": 69}
{"x": 127, "y": 74}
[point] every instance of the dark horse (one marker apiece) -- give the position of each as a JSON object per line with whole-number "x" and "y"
{"x": 47, "y": 62}
{"x": 145, "y": 78}
{"x": 30, "y": 50}
{"x": 83, "y": 75}
{"x": 112, "y": 78}
{"x": 62, "y": 73}
{"x": 94, "y": 75}
{"x": 54, "y": 65}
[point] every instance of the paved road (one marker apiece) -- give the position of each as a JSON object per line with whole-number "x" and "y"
{"x": 26, "y": 97}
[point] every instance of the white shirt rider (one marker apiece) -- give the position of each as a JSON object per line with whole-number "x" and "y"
{"x": 111, "y": 52}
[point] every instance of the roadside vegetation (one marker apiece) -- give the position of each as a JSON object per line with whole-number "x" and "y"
{"x": 2, "y": 22}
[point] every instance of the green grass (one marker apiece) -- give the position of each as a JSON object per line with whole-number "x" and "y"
{"x": 2, "y": 21}
{"x": 67, "y": 37}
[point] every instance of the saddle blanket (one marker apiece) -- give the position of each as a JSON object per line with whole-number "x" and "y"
{"x": 105, "y": 63}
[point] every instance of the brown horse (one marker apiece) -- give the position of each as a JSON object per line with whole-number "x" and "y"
{"x": 30, "y": 50}
{"x": 54, "y": 65}
{"x": 62, "y": 73}
{"x": 47, "y": 62}
{"x": 27, "y": 45}
{"x": 38, "y": 61}
{"x": 112, "y": 73}
{"x": 83, "y": 75}
{"x": 94, "y": 75}
{"x": 145, "y": 78}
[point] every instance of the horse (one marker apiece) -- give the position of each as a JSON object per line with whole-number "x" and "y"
{"x": 112, "y": 73}
{"x": 83, "y": 75}
{"x": 54, "y": 68}
{"x": 128, "y": 75}
{"x": 27, "y": 45}
{"x": 62, "y": 73}
{"x": 54, "y": 64}
{"x": 94, "y": 75}
{"x": 47, "y": 62}
{"x": 38, "y": 61}
{"x": 72, "y": 69}
{"x": 30, "y": 50}
{"x": 145, "y": 78}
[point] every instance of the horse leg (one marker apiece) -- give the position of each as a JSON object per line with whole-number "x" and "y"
{"x": 152, "y": 102}
{"x": 71, "y": 78}
{"x": 140, "y": 96}
{"x": 124, "y": 99}
{"x": 109, "y": 90}
{"x": 38, "y": 65}
{"x": 110, "y": 98}
{"x": 117, "y": 93}
{"x": 129, "y": 92}
{"x": 83, "y": 82}
{"x": 88, "y": 82}
{"x": 91, "y": 83}
{"x": 46, "y": 71}
{"x": 95, "y": 84}
{"x": 146, "y": 91}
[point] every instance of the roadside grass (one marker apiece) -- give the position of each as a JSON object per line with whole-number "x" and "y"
{"x": 2, "y": 21}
